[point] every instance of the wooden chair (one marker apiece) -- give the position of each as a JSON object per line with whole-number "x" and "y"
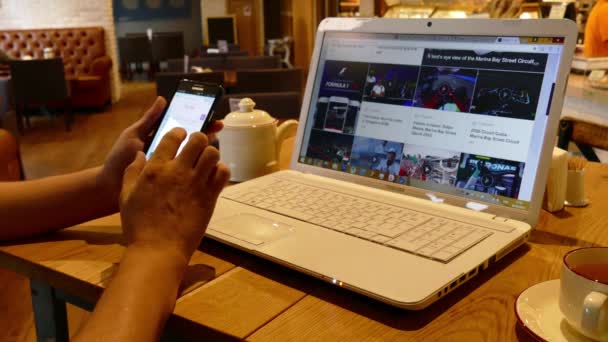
{"x": 231, "y": 47}
{"x": 224, "y": 54}
{"x": 134, "y": 49}
{"x": 585, "y": 135}
{"x": 167, "y": 45}
{"x": 214, "y": 63}
{"x": 268, "y": 80}
{"x": 284, "y": 105}
{"x": 166, "y": 82}
{"x": 252, "y": 62}
{"x": 39, "y": 83}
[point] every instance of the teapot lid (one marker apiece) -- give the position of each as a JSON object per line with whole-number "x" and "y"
{"x": 247, "y": 115}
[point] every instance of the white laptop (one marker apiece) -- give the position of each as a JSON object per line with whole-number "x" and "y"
{"x": 420, "y": 160}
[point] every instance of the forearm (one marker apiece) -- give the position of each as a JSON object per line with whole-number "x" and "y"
{"x": 38, "y": 206}
{"x": 139, "y": 298}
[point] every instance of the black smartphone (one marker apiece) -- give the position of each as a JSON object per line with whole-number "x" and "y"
{"x": 191, "y": 108}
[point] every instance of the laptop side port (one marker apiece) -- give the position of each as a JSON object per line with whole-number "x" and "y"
{"x": 502, "y": 253}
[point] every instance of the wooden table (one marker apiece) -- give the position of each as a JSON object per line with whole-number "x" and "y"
{"x": 232, "y": 294}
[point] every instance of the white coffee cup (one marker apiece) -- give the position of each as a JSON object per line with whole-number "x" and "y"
{"x": 584, "y": 301}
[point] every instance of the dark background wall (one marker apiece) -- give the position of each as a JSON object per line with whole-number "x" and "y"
{"x": 190, "y": 26}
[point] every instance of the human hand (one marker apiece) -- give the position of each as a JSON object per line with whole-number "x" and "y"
{"x": 130, "y": 142}
{"x": 167, "y": 202}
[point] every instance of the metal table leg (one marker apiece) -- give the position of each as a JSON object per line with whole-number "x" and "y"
{"x": 50, "y": 315}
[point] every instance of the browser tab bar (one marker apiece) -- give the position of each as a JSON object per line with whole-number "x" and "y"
{"x": 508, "y": 40}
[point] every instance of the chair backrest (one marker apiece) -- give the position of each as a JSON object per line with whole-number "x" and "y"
{"x": 134, "y": 49}
{"x": 586, "y": 135}
{"x": 231, "y": 47}
{"x": 38, "y": 81}
{"x": 252, "y": 62}
{"x": 167, "y": 82}
{"x": 175, "y": 65}
{"x": 167, "y": 45}
{"x": 10, "y": 160}
{"x": 225, "y": 54}
{"x": 213, "y": 63}
{"x": 78, "y": 46}
{"x": 283, "y": 105}
{"x": 268, "y": 80}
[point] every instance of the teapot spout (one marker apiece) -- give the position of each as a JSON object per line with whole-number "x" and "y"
{"x": 286, "y": 130}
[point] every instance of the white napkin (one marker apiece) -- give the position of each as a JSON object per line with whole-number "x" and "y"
{"x": 555, "y": 193}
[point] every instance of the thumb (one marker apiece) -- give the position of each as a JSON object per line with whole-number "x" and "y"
{"x": 132, "y": 172}
{"x": 144, "y": 125}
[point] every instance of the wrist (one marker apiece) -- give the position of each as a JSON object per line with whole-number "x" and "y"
{"x": 169, "y": 253}
{"x": 148, "y": 263}
{"x": 154, "y": 271}
{"x": 107, "y": 190}
{"x": 163, "y": 258}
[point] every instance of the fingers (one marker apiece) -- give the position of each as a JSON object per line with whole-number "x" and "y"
{"x": 220, "y": 178}
{"x": 193, "y": 149}
{"x": 169, "y": 144}
{"x": 144, "y": 125}
{"x": 215, "y": 127}
{"x": 207, "y": 162}
{"x": 132, "y": 172}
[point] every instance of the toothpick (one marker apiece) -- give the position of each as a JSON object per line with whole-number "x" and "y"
{"x": 577, "y": 163}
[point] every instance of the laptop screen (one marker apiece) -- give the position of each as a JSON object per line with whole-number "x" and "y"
{"x": 461, "y": 115}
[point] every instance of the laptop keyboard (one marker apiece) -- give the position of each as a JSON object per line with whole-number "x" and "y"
{"x": 408, "y": 230}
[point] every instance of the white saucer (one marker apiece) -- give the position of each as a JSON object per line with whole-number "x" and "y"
{"x": 537, "y": 310}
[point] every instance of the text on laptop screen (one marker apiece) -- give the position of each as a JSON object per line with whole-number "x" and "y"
{"x": 460, "y": 115}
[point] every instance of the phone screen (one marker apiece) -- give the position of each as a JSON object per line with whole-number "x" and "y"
{"x": 189, "y": 109}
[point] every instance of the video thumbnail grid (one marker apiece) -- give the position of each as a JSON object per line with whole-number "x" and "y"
{"x": 405, "y": 163}
{"x": 345, "y": 85}
{"x": 507, "y": 94}
{"x": 334, "y": 143}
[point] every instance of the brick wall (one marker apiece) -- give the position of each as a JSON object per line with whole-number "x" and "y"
{"x": 29, "y": 14}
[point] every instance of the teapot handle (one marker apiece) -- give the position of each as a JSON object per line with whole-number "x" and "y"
{"x": 286, "y": 130}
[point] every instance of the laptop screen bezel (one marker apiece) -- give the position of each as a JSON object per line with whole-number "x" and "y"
{"x": 462, "y": 27}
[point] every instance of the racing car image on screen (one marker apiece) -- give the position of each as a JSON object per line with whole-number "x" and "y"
{"x": 507, "y": 94}
{"x": 330, "y": 147}
{"x": 447, "y": 89}
{"x": 493, "y": 176}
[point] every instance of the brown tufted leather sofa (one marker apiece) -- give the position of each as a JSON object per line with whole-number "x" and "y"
{"x": 84, "y": 57}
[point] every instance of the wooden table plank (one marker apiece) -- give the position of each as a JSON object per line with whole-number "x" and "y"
{"x": 478, "y": 311}
{"x": 580, "y": 226}
{"x": 82, "y": 259}
{"x": 237, "y": 303}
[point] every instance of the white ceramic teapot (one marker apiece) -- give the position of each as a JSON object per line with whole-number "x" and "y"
{"x": 250, "y": 142}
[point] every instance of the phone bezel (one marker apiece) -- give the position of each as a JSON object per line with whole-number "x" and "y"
{"x": 215, "y": 90}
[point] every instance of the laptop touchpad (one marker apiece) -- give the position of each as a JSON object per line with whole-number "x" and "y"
{"x": 250, "y": 228}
